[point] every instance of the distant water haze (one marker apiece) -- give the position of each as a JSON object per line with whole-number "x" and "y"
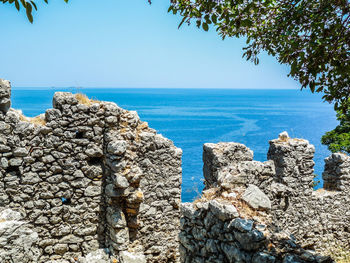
{"x": 192, "y": 117}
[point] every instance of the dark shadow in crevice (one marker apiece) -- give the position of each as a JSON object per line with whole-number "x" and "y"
{"x": 96, "y": 161}
{"x": 13, "y": 169}
{"x": 79, "y": 135}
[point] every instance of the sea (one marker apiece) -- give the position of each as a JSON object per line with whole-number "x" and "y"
{"x": 192, "y": 117}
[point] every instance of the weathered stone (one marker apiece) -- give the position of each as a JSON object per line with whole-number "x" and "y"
{"x": 262, "y": 257}
{"x": 60, "y": 249}
{"x": 119, "y": 236}
{"x": 223, "y": 211}
{"x": 120, "y": 181}
{"x": 18, "y": 242}
{"x": 71, "y": 239}
{"x": 5, "y": 94}
{"x": 117, "y": 147}
{"x": 128, "y": 257}
{"x": 250, "y": 240}
{"x": 97, "y": 256}
{"x": 242, "y": 225}
{"x": 256, "y": 198}
{"x": 234, "y": 254}
{"x": 20, "y": 152}
{"x": 283, "y": 136}
{"x": 92, "y": 191}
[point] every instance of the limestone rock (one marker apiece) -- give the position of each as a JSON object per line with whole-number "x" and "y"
{"x": 223, "y": 211}
{"x": 117, "y": 147}
{"x": 18, "y": 242}
{"x": 283, "y": 136}
{"x": 97, "y": 256}
{"x": 5, "y": 94}
{"x": 256, "y": 198}
{"x": 128, "y": 257}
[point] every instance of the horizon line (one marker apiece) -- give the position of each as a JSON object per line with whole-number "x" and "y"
{"x": 109, "y": 87}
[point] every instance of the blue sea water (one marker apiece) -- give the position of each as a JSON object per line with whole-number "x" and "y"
{"x": 191, "y": 117}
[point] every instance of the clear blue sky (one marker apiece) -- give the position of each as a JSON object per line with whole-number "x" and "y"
{"x": 114, "y": 43}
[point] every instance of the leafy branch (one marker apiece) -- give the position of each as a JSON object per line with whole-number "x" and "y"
{"x": 29, "y": 6}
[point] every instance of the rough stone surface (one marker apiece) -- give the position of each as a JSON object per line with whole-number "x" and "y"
{"x": 208, "y": 238}
{"x": 127, "y": 257}
{"x": 88, "y": 175}
{"x": 256, "y": 198}
{"x": 91, "y": 176}
{"x": 5, "y": 95}
{"x": 97, "y": 256}
{"x": 318, "y": 219}
{"x": 18, "y": 242}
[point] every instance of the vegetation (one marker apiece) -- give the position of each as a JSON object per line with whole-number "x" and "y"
{"x": 313, "y": 37}
{"x": 338, "y": 140}
{"x": 83, "y": 99}
{"x": 27, "y": 5}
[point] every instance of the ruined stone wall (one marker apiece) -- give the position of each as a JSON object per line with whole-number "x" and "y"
{"x": 318, "y": 219}
{"x": 215, "y": 231}
{"x": 88, "y": 175}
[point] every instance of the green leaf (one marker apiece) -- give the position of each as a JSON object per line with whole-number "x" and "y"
{"x": 29, "y": 12}
{"x": 33, "y": 4}
{"x": 205, "y": 26}
{"x": 214, "y": 18}
{"x": 17, "y": 5}
{"x": 182, "y": 21}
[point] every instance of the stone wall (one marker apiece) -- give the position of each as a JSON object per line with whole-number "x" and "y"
{"x": 318, "y": 219}
{"x": 87, "y": 175}
{"x": 89, "y": 182}
{"x": 214, "y": 231}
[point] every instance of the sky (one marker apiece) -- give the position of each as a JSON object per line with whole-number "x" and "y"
{"x": 114, "y": 43}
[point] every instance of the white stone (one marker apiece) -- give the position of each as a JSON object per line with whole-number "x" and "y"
{"x": 128, "y": 257}
{"x": 283, "y": 136}
{"x": 256, "y": 198}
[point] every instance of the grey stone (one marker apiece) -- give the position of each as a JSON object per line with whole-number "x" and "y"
{"x": 119, "y": 236}
{"x": 283, "y": 136}
{"x": 9, "y": 215}
{"x": 256, "y": 198}
{"x": 120, "y": 181}
{"x": 5, "y": 94}
{"x": 15, "y": 161}
{"x": 20, "y": 152}
{"x": 94, "y": 151}
{"x": 223, "y": 211}
{"x": 243, "y": 225}
{"x": 292, "y": 259}
{"x": 17, "y": 240}
{"x": 97, "y": 256}
{"x": 92, "y": 191}
{"x": 128, "y": 257}
{"x": 262, "y": 257}
{"x": 116, "y": 218}
{"x": 250, "y": 240}
{"x": 233, "y": 254}
{"x": 187, "y": 210}
{"x": 71, "y": 239}
{"x": 117, "y": 147}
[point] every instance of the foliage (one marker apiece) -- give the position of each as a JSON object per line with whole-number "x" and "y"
{"x": 312, "y": 36}
{"x": 338, "y": 140}
{"x": 27, "y": 5}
